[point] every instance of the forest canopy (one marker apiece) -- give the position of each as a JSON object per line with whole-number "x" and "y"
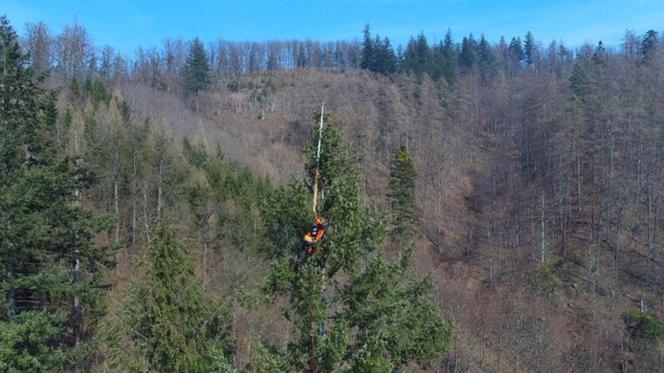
{"x": 485, "y": 205}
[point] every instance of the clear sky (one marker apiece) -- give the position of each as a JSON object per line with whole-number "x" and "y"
{"x": 126, "y": 24}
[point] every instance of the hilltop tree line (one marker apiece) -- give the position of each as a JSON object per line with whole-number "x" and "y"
{"x": 72, "y": 55}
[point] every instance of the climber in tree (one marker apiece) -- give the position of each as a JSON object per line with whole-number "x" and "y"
{"x": 314, "y": 235}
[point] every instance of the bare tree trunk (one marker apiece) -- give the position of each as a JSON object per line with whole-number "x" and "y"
{"x": 116, "y": 208}
{"x": 616, "y": 244}
{"x": 542, "y": 230}
{"x": 578, "y": 179}
{"x": 159, "y": 179}
{"x": 145, "y": 212}
{"x": 206, "y": 240}
{"x": 133, "y": 202}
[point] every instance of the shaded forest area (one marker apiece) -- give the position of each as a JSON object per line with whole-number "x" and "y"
{"x": 536, "y": 205}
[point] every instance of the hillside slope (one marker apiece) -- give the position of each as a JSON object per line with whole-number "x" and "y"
{"x": 528, "y": 270}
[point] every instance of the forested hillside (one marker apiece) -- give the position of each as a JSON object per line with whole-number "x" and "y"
{"x": 492, "y": 207}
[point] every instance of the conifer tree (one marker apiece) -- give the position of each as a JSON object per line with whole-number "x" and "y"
{"x": 417, "y": 57}
{"x": 385, "y": 62}
{"x": 449, "y": 58}
{"x": 487, "y": 61}
{"x": 367, "y": 58}
{"x": 50, "y": 287}
{"x": 515, "y": 50}
{"x": 167, "y": 324}
{"x": 196, "y": 70}
{"x": 529, "y": 49}
{"x": 468, "y": 56}
{"x": 402, "y": 197}
{"x": 648, "y": 44}
{"x": 378, "y": 318}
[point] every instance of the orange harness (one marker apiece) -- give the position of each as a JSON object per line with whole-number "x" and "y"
{"x": 314, "y": 235}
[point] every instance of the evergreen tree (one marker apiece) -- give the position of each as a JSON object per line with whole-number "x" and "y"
{"x": 648, "y": 44}
{"x": 515, "y": 50}
{"x": 378, "y": 318}
{"x": 417, "y": 57}
{"x": 168, "y": 324}
{"x": 599, "y": 54}
{"x": 529, "y": 49}
{"x": 437, "y": 62}
{"x": 51, "y": 270}
{"x": 487, "y": 61}
{"x": 377, "y": 55}
{"x": 401, "y": 197}
{"x": 468, "y": 56}
{"x": 196, "y": 69}
{"x": 385, "y": 62}
{"x": 367, "y": 59}
{"x": 449, "y": 58}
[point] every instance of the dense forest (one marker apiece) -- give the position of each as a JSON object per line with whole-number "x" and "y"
{"x": 489, "y": 206}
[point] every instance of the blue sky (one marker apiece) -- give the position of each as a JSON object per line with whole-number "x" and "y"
{"x": 126, "y": 24}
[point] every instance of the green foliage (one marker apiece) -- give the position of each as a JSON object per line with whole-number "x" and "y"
{"x": 529, "y": 49}
{"x": 31, "y": 328}
{"x": 515, "y": 50}
{"x": 196, "y": 75}
{"x": 366, "y": 60}
{"x": 269, "y": 359}
{"x": 52, "y": 272}
{"x": 468, "y": 57}
{"x": 97, "y": 92}
{"x": 644, "y": 326}
{"x": 649, "y": 43}
{"x": 168, "y": 324}
{"x": 487, "y": 62}
{"x": 226, "y": 193}
{"x": 401, "y": 197}
{"x": 417, "y": 57}
{"x": 444, "y": 62}
{"x": 350, "y": 307}
{"x": 396, "y": 318}
{"x": 377, "y": 54}
{"x": 285, "y": 215}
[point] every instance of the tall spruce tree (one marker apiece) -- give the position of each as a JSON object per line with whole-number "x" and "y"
{"x": 196, "y": 70}
{"x": 449, "y": 58}
{"x": 51, "y": 271}
{"x": 515, "y": 50}
{"x": 385, "y": 61}
{"x": 353, "y": 310}
{"x": 401, "y": 197}
{"x": 487, "y": 61}
{"x": 529, "y": 49}
{"x": 468, "y": 56}
{"x": 167, "y": 324}
{"x": 417, "y": 57}
{"x": 648, "y": 44}
{"x": 367, "y": 58}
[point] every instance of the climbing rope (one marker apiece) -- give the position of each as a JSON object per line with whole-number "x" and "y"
{"x": 317, "y": 175}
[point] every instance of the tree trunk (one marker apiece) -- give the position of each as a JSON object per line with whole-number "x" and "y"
{"x": 146, "y": 220}
{"x": 116, "y": 208}
{"x": 159, "y": 179}
{"x": 133, "y": 202}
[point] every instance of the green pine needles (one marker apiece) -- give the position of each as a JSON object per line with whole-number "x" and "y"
{"x": 401, "y": 197}
{"x": 352, "y": 308}
{"x": 168, "y": 324}
{"x": 51, "y": 282}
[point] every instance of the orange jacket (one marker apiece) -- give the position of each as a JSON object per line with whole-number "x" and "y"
{"x": 316, "y": 233}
